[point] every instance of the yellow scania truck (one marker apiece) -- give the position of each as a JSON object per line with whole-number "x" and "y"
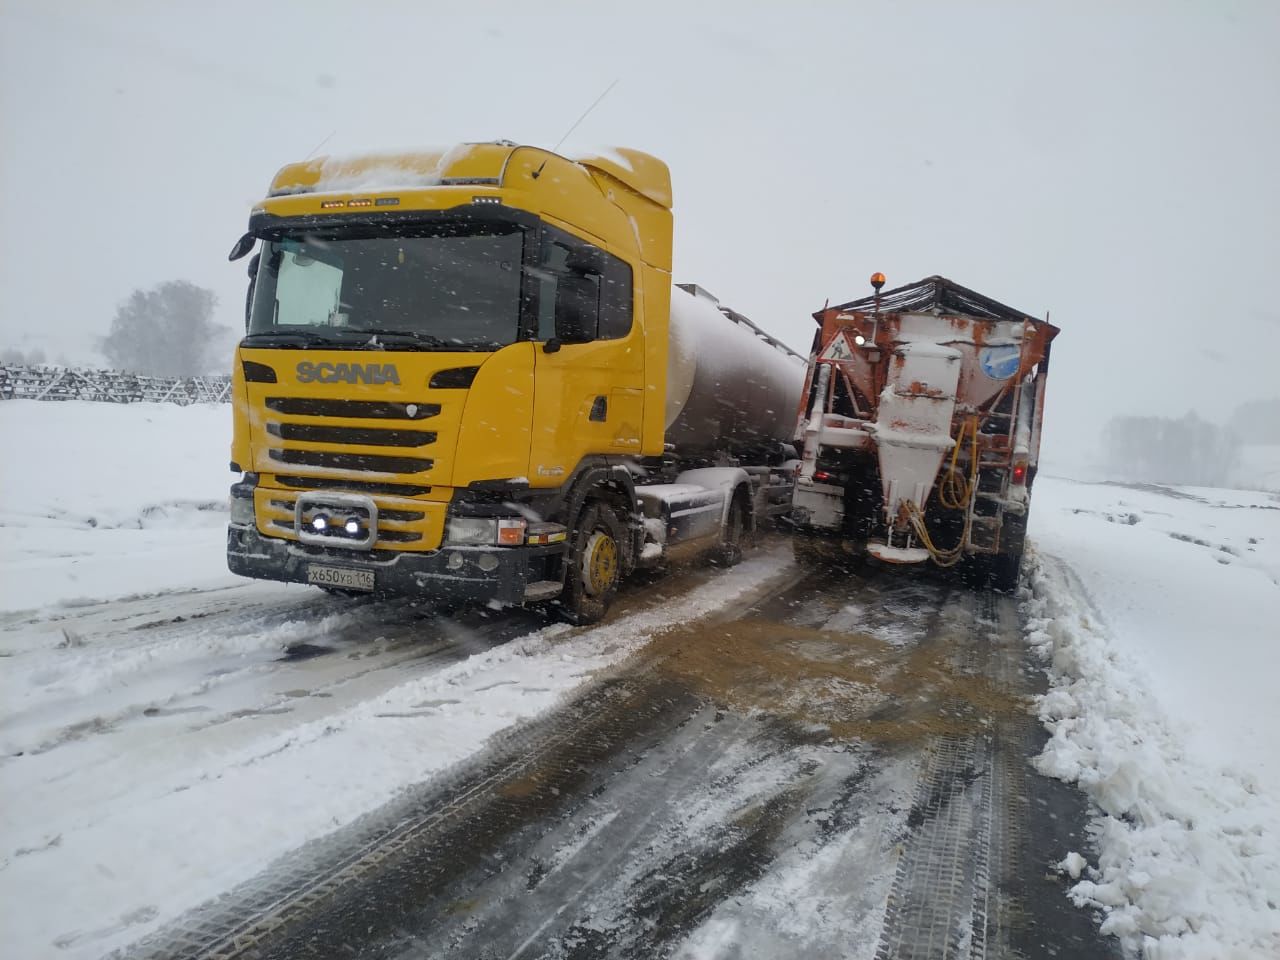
{"x": 467, "y": 375}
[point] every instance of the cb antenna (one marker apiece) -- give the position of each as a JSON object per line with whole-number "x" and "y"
{"x": 321, "y": 144}
{"x": 585, "y": 112}
{"x": 595, "y": 103}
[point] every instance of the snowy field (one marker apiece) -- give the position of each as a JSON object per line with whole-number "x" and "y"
{"x": 108, "y": 500}
{"x": 1159, "y": 610}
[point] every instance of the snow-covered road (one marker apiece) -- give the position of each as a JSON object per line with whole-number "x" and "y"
{"x": 160, "y": 751}
{"x": 825, "y": 767}
{"x": 171, "y": 733}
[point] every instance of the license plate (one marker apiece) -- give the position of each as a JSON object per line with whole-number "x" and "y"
{"x": 343, "y": 577}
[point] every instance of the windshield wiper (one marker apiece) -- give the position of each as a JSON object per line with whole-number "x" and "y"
{"x": 358, "y": 338}
{"x": 401, "y": 338}
{"x": 267, "y": 338}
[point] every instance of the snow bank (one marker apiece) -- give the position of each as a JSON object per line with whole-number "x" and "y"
{"x": 1188, "y": 581}
{"x": 1157, "y": 611}
{"x": 104, "y": 500}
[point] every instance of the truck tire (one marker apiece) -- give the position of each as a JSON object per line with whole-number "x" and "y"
{"x": 594, "y": 564}
{"x": 1004, "y": 569}
{"x": 733, "y": 537}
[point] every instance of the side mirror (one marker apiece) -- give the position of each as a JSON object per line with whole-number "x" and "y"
{"x": 242, "y": 247}
{"x": 577, "y": 308}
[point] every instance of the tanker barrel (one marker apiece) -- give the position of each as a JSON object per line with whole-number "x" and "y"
{"x": 729, "y": 384}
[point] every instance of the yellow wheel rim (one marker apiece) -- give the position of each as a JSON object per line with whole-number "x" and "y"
{"x": 599, "y": 563}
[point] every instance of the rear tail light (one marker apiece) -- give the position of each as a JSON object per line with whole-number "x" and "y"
{"x": 1019, "y": 473}
{"x": 821, "y": 476}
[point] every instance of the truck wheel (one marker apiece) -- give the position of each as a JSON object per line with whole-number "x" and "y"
{"x": 594, "y": 565}
{"x": 1004, "y": 571}
{"x": 1005, "y": 568}
{"x": 733, "y": 537}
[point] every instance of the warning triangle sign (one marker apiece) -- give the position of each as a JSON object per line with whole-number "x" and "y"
{"x": 837, "y": 349}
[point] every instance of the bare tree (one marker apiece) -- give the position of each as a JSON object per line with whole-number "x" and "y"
{"x": 1163, "y": 450}
{"x": 1258, "y": 421}
{"x": 12, "y": 355}
{"x": 166, "y": 332}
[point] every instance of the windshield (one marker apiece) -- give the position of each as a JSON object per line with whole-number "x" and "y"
{"x": 438, "y": 287}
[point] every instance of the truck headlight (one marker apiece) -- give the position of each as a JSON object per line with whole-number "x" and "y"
{"x": 473, "y": 531}
{"x": 242, "y": 511}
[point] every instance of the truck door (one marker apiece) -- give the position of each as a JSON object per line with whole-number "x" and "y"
{"x": 589, "y": 392}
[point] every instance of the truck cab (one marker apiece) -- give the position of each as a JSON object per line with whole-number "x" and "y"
{"x": 453, "y": 374}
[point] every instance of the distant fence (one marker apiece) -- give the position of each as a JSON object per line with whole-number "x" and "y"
{"x": 21, "y": 382}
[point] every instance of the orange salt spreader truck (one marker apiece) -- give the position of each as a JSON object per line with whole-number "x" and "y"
{"x": 920, "y": 429}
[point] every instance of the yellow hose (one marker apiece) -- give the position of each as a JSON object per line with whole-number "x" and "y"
{"x": 954, "y": 492}
{"x": 953, "y": 489}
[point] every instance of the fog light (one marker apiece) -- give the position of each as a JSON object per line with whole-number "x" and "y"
{"x": 352, "y": 526}
{"x": 487, "y": 562}
{"x": 454, "y": 562}
{"x": 319, "y": 523}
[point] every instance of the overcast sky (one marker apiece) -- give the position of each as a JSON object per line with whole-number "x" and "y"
{"x": 1114, "y": 164}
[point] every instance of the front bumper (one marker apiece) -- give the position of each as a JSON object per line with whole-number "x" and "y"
{"x": 521, "y": 574}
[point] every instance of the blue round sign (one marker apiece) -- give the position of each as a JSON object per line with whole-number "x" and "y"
{"x": 1000, "y": 363}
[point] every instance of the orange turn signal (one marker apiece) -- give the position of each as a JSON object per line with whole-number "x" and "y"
{"x": 511, "y": 532}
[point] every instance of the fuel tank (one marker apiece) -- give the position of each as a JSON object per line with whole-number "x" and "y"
{"x": 729, "y": 384}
